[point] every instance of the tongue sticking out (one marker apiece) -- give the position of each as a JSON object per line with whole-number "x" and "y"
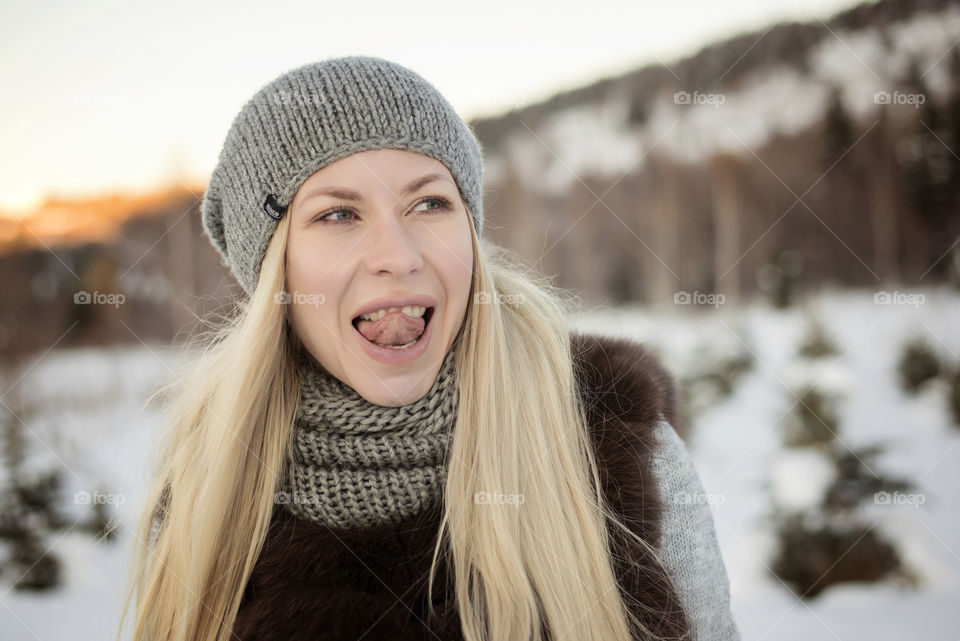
{"x": 395, "y": 328}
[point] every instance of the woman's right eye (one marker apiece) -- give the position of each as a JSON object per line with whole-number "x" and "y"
{"x": 327, "y": 217}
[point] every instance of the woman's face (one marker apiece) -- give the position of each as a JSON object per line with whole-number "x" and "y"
{"x": 375, "y": 230}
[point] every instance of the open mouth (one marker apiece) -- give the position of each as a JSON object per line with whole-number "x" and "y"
{"x": 427, "y": 316}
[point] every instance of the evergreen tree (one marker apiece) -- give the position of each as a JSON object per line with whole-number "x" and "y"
{"x": 838, "y": 131}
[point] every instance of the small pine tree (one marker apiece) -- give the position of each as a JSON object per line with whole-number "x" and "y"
{"x": 838, "y": 131}
{"x": 953, "y": 398}
{"x": 813, "y": 420}
{"x": 816, "y": 343}
{"x": 779, "y": 278}
{"x": 918, "y": 365}
{"x": 28, "y": 509}
{"x": 856, "y": 480}
{"x": 814, "y": 554}
{"x": 29, "y": 512}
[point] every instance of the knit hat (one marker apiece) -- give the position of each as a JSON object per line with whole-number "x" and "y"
{"x": 310, "y": 117}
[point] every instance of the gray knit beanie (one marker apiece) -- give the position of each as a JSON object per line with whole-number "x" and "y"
{"x": 308, "y": 118}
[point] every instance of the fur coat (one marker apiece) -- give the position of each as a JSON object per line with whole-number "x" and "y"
{"x": 311, "y": 583}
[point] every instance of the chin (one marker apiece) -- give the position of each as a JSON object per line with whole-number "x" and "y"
{"x": 400, "y": 393}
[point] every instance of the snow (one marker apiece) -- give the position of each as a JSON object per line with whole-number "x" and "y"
{"x": 596, "y": 139}
{"x": 780, "y": 101}
{"x": 90, "y": 420}
{"x": 740, "y": 455}
{"x": 858, "y": 65}
{"x": 799, "y": 478}
{"x": 588, "y": 139}
{"x": 930, "y": 38}
{"x": 86, "y": 421}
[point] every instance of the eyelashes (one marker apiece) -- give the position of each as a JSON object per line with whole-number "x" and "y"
{"x": 442, "y": 203}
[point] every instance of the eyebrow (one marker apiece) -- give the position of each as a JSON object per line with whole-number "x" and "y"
{"x": 349, "y": 194}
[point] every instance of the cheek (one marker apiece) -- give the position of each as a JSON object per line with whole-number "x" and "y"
{"x": 309, "y": 267}
{"x": 314, "y": 287}
{"x": 458, "y": 263}
{"x": 294, "y": 263}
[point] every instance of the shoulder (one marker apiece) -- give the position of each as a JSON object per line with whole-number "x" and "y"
{"x": 649, "y": 476}
{"x": 629, "y": 398}
{"x": 689, "y": 546}
{"x": 624, "y": 378}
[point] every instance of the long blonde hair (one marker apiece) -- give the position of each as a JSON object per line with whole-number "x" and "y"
{"x": 543, "y": 571}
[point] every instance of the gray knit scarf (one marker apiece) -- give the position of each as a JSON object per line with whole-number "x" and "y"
{"x": 356, "y": 464}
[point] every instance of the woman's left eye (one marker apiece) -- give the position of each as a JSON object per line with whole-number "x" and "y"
{"x": 327, "y": 217}
{"x": 441, "y": 204}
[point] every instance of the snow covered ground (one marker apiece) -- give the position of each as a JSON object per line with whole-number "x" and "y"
{"x": 737, "y": 448}
{"x": 89, "y": 423}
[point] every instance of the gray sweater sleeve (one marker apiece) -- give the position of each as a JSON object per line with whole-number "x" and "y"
{"x": 689, "y": 547}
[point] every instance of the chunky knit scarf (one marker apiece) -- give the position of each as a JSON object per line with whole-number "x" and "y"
{"x": 356, "y": 464}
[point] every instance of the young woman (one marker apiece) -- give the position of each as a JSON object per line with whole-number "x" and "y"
{"x": 397, "y": 436}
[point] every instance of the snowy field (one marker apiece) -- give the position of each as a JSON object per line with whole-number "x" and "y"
{"x": 82, "y": 411}
{"x": 739, "y": 453}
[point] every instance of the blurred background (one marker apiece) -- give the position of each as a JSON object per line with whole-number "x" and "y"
{"x": 767, "y": 194}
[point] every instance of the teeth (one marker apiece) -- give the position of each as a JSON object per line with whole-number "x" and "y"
{"x": 415, "y": 311}
{"x": 401, "y": 346}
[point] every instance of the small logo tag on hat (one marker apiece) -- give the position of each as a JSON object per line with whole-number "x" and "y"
{"x": 273, "y": 208}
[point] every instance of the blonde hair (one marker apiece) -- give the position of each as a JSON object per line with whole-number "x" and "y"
{"x": 543, "y": 571}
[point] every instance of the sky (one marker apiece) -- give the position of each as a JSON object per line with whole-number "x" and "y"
{"x": 103, "y": 95}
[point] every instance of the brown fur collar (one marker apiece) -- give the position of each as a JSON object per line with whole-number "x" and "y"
{"x": 311, "y": 583}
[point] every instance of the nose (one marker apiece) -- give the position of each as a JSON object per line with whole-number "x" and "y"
{"x": 392, "y": 248}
